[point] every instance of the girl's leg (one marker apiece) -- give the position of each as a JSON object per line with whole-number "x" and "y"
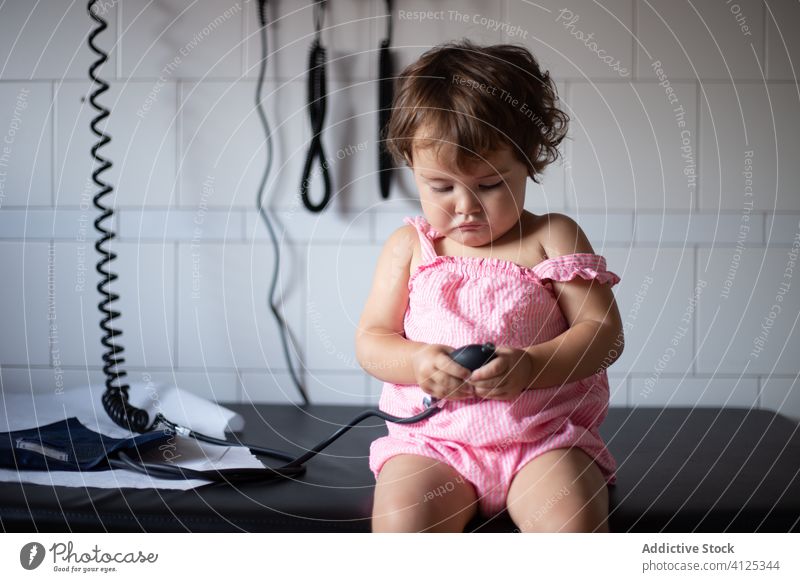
{"x": 414, "y": 493}
{"x": 562, "y": 490}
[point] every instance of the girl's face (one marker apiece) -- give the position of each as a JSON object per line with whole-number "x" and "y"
{"x": 490, "y": 196}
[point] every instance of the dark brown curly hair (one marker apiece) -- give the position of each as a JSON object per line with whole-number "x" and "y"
{"x": 477, "y": 98}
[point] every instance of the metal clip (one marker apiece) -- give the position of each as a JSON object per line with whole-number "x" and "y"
{"x": 429, "y": 401}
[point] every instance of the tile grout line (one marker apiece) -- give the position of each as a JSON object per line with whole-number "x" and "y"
{"x": 178, "y": 133}
{"x": 176, "y": 306}
{"x": 635, "y": 30}
{"x": 765, "y": 44}
{"x": 628, "y": 390}
{"x": 53, "y": 146}
{"x": 50, "y": 249}
{"x": 695, "y": 328}
{"x": 759, "y": 387}
{"x": 504, "y": 12}
{"x": 243, "y": 32}
{"x": 118, "y": 51}
{"x": 698, "y": 172}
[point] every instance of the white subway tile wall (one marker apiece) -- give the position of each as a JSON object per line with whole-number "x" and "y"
{"x": 26, "y": 150}
{"x": 750, "y": 127}
{"x": 142, "y": 146}
{"x": 680, "y": 166}
{"x": 701, "y": 40}
{"x": 627, "y": 143}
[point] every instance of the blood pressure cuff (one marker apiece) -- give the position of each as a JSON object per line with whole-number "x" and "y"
{"x": 67, "y": 445}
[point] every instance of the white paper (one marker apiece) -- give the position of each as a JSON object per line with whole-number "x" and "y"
{"x": 27, "y": 410}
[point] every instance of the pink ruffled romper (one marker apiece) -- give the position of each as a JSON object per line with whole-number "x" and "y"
{"x": 467, "y": 300}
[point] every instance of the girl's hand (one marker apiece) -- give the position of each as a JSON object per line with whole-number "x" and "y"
{"x": 439, "y": 375}
{"x": 506, "y": 376}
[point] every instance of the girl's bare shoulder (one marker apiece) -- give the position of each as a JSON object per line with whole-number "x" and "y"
{"x": 558, "y": 234}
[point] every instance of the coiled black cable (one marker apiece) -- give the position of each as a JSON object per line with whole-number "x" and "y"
{"x": 317, "y": 97}
{"x": 262, "y": 210}
{"x": 115, "y": 397}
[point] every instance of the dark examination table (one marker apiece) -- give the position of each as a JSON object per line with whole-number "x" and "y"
{"x": 680, "y": 470}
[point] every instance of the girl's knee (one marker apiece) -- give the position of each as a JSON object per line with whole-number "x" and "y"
{"x": 408, "y": 499}
{"x": 414, "y": 513}
{"x": 397, "y": 519}
{"x": 576, "y": 515}
{"x": 587, "y": 519}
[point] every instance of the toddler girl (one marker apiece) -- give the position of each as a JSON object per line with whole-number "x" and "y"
{"x": 521, "y": 432}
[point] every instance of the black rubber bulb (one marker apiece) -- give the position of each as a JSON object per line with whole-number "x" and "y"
{"x": 474, "y": 356}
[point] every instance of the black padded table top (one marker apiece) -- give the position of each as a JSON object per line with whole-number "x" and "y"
{"x": 680, "y": 470}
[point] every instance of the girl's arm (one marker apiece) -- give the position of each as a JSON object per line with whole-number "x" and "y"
{"x": 381, "y": 349}
{"x": 595, "y": 337}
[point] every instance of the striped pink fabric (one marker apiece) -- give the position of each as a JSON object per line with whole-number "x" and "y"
{"x": 465, "y": 300}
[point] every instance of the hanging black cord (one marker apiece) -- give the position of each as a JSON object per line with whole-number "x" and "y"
{"x": 115, "y": 397}
{"x": 385, "y": 95}
{"x": 317, "y": 97}
{"x": 262, "y": 210}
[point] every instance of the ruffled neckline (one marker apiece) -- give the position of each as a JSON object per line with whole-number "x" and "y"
{"x": 536, "y": 274}
{"x": 482, "y": 263}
